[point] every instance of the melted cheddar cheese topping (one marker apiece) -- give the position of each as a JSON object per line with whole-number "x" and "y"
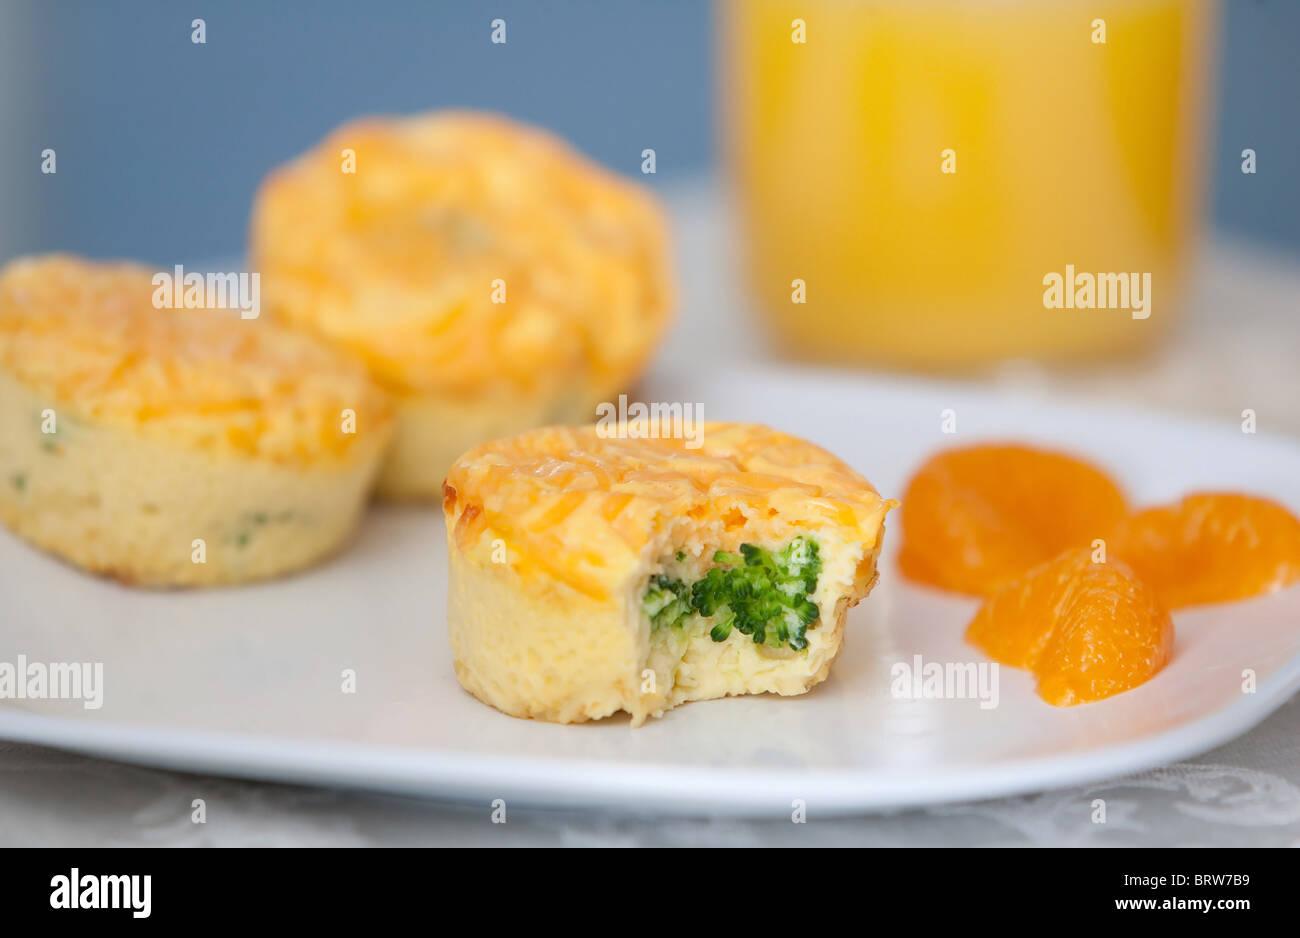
{"x": 465, "y": 254}
{"x": 87, "y": 337}
{"x": 577, "y": 508}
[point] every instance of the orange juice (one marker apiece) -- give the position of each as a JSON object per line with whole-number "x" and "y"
{"x": 912, "y": 173}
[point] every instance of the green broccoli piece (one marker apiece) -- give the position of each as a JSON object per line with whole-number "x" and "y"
{"x": 760, "y": 593}
{"x": 666, "y": 601}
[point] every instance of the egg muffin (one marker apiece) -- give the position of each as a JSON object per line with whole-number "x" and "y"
{"x": 174, "y": 447}
{"x": 492, "y": 278}
{"x": 591, "y": 573}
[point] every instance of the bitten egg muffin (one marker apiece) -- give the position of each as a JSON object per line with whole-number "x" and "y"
{"x": 174, "y": 447}
{"x": 493, "y": 279}
{"x": 592, "y": 574}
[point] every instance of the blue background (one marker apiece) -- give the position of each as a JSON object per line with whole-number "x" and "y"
{"x": 161, "y": 143}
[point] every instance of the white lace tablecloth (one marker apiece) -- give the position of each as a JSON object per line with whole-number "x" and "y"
{"x": 1246, "y": 793}
{"x": 1238, "y": 349}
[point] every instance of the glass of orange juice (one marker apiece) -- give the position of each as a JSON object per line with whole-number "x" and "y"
{"x": 944, "y": 183}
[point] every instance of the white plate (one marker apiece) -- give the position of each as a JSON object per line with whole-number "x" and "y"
{"x": 247, "y": 681}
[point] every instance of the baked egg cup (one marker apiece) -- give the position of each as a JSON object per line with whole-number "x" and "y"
{"x": 174, "y": 447}
{"x": 492, "y": 278}
{"x": 592, "y": 574}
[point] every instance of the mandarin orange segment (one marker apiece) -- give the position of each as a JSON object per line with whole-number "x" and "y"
{"x": 976, "y": 517}
{"x": 1087, "y": 630}
{"x": 1211, "y": 547}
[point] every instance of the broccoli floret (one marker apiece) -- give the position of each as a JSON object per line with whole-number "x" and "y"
{"x": 760, "y": 593}
{"x": 666, "y": 601}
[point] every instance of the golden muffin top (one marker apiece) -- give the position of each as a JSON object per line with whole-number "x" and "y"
{"x": 576, "y": 506}
{"x": 87, "y": 337}
{"x": 401, "y": 260}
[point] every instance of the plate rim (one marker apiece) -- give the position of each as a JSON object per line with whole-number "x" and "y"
{"x": 532, "y": 781}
